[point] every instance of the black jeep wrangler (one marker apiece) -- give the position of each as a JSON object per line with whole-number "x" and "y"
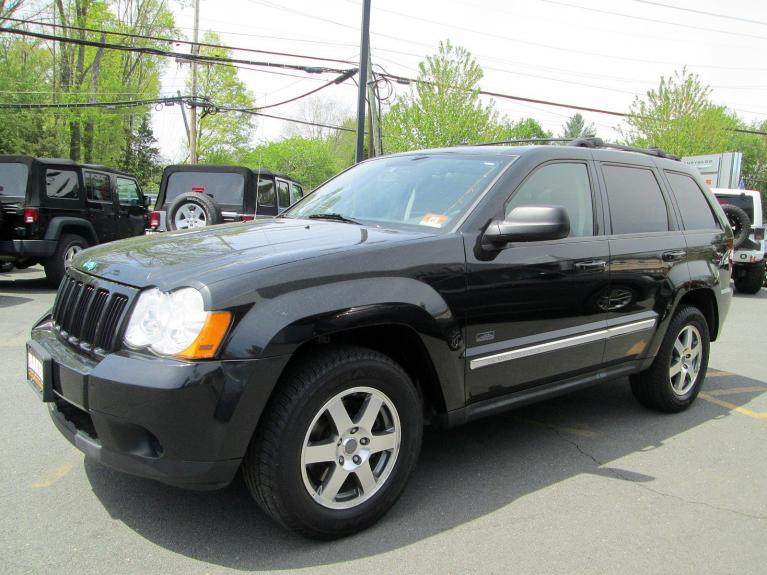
{"x": 51, "y": 209}
{"x": 194, "y": 196}
{"x": 435, "y": 287}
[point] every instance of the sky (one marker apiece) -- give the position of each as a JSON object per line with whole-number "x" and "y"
{"x": 593, "y": 53}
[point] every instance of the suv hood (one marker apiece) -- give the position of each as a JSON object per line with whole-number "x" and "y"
{"x": 172, "y": 259}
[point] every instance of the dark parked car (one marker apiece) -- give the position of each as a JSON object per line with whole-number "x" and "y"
{"x": 193, "y": 196}
{"x": 435, "y": 287}
{"x": 51, "y": 209}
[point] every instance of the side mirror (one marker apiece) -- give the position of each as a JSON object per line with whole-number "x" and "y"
{"x": 147, "y": 201}
{"x": 528, "y": 224}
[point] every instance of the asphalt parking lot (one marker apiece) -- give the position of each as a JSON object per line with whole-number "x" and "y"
{"x": 588, "y": 483}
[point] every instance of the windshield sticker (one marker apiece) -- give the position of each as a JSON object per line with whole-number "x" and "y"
{"x": 434, "y": 220}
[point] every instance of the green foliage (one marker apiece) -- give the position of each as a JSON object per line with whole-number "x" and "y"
{"x": 225, "y": 137}
{"x": 576, "y": 127}
{"x": 141, "y": 156}
{"x": 446, "y": 109}
{"x": 680, "y": 118}
{"x": 309, "y": 161}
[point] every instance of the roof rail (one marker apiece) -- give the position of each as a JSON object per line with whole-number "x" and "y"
{"x": 599, "y": 143}
{"x": 524, "y": 141}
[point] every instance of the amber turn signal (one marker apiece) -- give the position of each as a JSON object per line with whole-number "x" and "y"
{"x": 206, "y": 344}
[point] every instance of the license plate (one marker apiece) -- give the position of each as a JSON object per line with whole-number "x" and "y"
{"x": 35, "y": 370}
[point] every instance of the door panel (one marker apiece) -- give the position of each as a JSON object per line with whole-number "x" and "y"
{"x": 131, "y": 210}
{"x": 101, "y": 205}
{"x": 533, "y": 315}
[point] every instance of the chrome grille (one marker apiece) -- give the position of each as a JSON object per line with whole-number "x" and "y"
{"x": 89, "y": 315}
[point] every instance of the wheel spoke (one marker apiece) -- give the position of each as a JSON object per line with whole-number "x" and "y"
{"x": 340, "y": 416}
{"x": 320, "y": 453}
{"x": 383, "y": 442}
{"x": 369, "y": 412}
{"x": 332, "y": 484}
{"x": 686, "y": 337}
{"x": 365, "y": 477}
{"x": 679, "y": 346}
{"x": 675, "y": 369}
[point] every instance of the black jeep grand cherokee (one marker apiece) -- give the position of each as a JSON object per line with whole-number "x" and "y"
{"x": 435, "y": 286}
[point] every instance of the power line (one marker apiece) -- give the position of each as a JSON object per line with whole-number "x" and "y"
{"x": 694, "y": 11}
{"x": 655, "y": 20}
{"x": 170, "y": 54}
{"x": 174, "y": 40}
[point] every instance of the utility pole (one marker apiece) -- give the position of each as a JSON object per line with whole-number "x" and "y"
{"x": 363, "y": 74}
{"x": 183, "y": 115}
{"x": 374, "y": 127}
{"x": 193, "y": 110}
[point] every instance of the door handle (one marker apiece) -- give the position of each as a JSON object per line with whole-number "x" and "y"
{"x": 674, "y": 256}
{"x": 591, "y": 266}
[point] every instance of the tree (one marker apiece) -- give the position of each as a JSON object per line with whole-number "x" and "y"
{"x": 523, "y": 129}
{"x": 576, "y": 127}
{"x": 680, "y": 118}
{"x": 141, "y": 156}
{"x": 222, "y": 137}
{"x": 445, "y": 109}
{"x": 309, "y": 161}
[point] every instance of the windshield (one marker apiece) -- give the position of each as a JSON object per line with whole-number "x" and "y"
{"x": 224, "y": 187}
{"x": 421, "y": 190}
{"x": 13, "y": 180}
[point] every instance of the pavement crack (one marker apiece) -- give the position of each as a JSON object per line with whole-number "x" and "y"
{"x": 618, "y": 475}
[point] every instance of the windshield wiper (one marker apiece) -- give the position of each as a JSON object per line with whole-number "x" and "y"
{"x": 335, "y": 218}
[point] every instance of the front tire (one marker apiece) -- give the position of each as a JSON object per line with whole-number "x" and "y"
{"x": 69, "y": 245}
{"x": 675, "y": 377}
{"x": 337, "y": 443}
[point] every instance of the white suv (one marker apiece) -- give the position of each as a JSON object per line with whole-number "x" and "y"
{"x": 744, "y": 210}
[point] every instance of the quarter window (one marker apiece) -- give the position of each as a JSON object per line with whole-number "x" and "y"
{"x": 565, "y": 185}
{"x": 636, "y": 200}
{"x": 127, "y": 192}
{"x": 296, "y": 193}
{"x": 98, "y": 187}
{"x": 696, "y": 211}
{"x": 266, "y": 196}
{"x": 61, "y": 184}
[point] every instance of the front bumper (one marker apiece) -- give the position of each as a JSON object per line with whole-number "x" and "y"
{"x": 183, "y": 423}
{"x": 28, "y": 248}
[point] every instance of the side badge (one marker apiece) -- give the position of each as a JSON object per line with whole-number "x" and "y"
{"x": 485, "y": 336}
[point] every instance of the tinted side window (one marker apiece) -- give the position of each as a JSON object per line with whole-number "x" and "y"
{"x": 636, "y": 201}
{"x": 283, "y": 194}
{"x": 266, "y": 196}
{"x": 566, "y": 185}
{"x": 98, "y": 187}
{"x": 127, "y": 192}
{"x": 62, "y": 184}
{"x": 696, "y": 211}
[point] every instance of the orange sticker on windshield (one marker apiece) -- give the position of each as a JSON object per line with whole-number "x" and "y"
{"x": 434, "y": 220}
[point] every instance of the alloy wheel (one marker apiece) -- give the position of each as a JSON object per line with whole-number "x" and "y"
{"x": 190, "y": 216}
{"x": 685, "y": 360}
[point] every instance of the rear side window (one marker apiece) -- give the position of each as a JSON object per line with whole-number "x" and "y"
{"x": 13, "y": 180}
{"x": 127, "y": 192}
{"x": 226, "y": 188}
{"x": 695, "y": 209}
{"x": 566, "y": 185}
{"x": 266, "y": 195}
{"x": 283, "y": 194}
{"x": 98, "y": 187}
{"x": 61, "y": 184}
{"x": 636, "y": 201}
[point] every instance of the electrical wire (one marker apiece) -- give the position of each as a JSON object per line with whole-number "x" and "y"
{"x": 694, "y": 11}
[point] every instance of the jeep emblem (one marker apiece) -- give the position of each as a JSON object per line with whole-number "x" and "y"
{"x": 89, "y": 265}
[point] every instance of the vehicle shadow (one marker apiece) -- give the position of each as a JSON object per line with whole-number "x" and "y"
{"x": 30, "y": 280}
{"x": 463, "y": 474}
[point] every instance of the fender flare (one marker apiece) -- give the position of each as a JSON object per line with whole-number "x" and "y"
{"x": 57, "y": 224}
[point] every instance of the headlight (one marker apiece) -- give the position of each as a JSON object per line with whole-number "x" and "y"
{"x": 176, "y": 323}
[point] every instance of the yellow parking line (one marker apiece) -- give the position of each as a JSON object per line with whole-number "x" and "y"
{"x": 717, "y": 373}
{"x": 736, "y": 390}
{"x": 733, "y": 407}
{"x": 54, "y": 476}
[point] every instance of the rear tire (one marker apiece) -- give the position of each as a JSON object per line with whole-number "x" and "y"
{"x": 740, "y": 223}
{"x": 193, "y": 210}
{"x": 68, "y": 246}
{"x": 751, "y": 282}
{"x": 337, "y": 443}
{"x": 675, "y": 377}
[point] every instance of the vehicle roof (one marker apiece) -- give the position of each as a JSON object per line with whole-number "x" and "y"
{"x": 225, "y": 168}
{"x": 735, "y": 191}
{"x": 60, "y": 162}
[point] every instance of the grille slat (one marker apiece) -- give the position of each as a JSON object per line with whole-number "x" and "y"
{"x": 88, "y": 314}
